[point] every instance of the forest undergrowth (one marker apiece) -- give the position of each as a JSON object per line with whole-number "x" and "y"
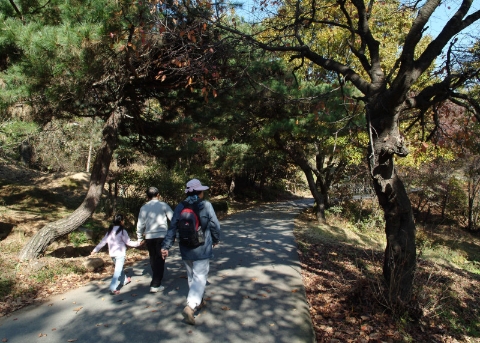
{"x": 345, "y": 290}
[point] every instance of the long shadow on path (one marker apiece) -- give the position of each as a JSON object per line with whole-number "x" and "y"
{"x": 254, "y": 294}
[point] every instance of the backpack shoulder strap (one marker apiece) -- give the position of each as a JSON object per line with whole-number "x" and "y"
{"x": 193, "y": 207}
{"x": 200, "y": 211}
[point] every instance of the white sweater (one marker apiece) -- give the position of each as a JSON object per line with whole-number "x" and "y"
{"x": 153, "y": 220}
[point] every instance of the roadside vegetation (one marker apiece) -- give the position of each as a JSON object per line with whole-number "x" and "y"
{"x": 342, "y": 262}
{"x": 371, "y": 114}
{"x": 342, "y": 271}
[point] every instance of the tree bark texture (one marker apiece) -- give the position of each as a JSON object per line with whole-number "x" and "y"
{"x": 37, "y": 245}
{"x": 319, "y": 202}
{"x": 400, "y": 253}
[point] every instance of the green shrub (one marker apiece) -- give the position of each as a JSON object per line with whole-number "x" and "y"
{"x": 134, "y": 183}
{"x": 6, "y": 286}
{"x": 12, "y": 133}
{"x": 334, "y": 210}
{"x": 78, "y": 238}
{"x": 48, "y": 273}
{"x": 98, "y": 228}
{"x": 457, "y": 199}
{"x": 371, "y": 222}
{"x": 220, "y": 206}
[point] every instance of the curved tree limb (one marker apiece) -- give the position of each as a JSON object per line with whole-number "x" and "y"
{"x": 37, "y": 245}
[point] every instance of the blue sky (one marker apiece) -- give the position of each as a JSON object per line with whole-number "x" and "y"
{"x": 445, "y": 11}
{"x": 441, "y": 15}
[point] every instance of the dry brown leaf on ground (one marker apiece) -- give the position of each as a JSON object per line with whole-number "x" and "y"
{"x": 77, "y": 309}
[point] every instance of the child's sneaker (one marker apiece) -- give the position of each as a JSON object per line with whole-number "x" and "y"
{"x": 127, "y": 281}
{"x": 156, "y": 289}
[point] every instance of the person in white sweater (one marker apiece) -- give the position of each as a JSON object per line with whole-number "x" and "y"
{"x": 117, "y": 240}
{"x": 153, "y": 225}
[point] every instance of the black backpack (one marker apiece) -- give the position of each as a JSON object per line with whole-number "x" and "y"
{"x": 189, "y": 227}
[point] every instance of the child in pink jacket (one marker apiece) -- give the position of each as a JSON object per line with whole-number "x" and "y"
{"x": 117, "y": 240}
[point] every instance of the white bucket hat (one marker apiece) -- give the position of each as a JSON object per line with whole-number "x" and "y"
{"x": 195, "y": 185}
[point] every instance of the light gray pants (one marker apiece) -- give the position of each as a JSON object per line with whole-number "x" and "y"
{"x": 197, "y": 272}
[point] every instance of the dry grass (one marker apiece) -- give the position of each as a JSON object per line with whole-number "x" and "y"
{"x": 342, "y": 274}
{"x": 31, "y": 199}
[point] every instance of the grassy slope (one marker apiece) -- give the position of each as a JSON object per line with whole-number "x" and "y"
{"x": 342, "y": 270}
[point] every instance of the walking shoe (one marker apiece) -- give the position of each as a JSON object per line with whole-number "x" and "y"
{"x": 156, "y": 289}
{"x": 127, "y": 281}
{"x": 187, "y": 313}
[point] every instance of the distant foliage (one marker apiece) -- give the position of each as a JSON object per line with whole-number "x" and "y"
{"x": 438, "y": 191}
{"x": 14, "y": 133}
{"x": 65, "y": 145}
{"x": 456, "y": 199}
{"x": 127, "y": 187}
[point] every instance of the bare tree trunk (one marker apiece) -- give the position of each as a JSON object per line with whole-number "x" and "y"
{"x": 300, "y": 160}
{"x": 89, "y": 155}
{"x": 320, "y": 204}
{"x": 324, "y": 191}
{"x": 90, "y": 147}
{"x": 50, "y": 232}
{"x": 473, "y": 187}
{"x": 470, "y": 220}
{"x": 115, "y": 197}
{"x": 400, "y": 253}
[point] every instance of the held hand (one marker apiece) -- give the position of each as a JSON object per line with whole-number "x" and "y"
{"x": 142, "y": 242}
{"x": 164, "y": 253}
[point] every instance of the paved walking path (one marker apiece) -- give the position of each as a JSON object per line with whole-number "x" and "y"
{"x": 254, "y": 294}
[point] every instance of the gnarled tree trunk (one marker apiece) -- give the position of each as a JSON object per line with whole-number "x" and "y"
{"x": 400, "y": 253}
{"x": 50, "y": 232}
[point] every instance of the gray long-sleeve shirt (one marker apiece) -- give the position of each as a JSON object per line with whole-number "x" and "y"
{"x": 153, "y": 220}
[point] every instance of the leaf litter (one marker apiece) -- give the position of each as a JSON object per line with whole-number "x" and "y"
{"x": 343, "y": 287}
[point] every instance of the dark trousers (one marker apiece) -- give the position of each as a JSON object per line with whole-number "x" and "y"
{"x": 156, "y": 261}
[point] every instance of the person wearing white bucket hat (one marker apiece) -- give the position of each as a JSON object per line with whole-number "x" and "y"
{"x": 196, "y": 259}
{"x": 195, "y": 185}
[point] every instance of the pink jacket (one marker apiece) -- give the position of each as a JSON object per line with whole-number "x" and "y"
{"x": 117, "y": 243}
